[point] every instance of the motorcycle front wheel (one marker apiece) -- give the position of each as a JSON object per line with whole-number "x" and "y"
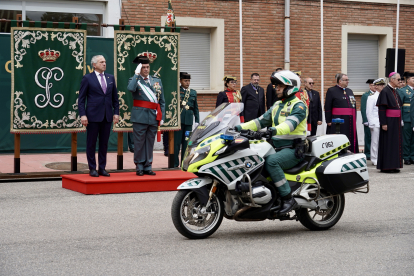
{"x": 191, "y": 219}
{"x": 318, "y": 220}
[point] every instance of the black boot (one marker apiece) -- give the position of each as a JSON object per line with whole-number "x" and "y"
{"x": 288, "y": 204}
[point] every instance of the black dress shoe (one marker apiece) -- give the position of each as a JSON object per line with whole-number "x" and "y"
{"x": 131, "y": 150}
{"x": 390, "y": 171}
{"x": 411, "y": 161}
{"x": 140, "y": 173}
{"x": 93, "y": 173}
{"x": 103, "y": 173}
{"x": 407, "y": 162}
{"x": 149, "y": 172}
{"x": 288, "y": 205}
{"x": 368, "y": 158}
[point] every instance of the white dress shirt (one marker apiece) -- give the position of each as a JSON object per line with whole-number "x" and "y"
{"x": 372, "y": 111}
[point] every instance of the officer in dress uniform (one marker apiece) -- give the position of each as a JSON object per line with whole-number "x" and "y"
{"x": 189, "y": 111}
{"x": 286, "y": 120}
{"x": 367, "y": 131}
{"x": 406, "y": 94}
{"x": 230, "y": 95}
{"x": 147, "y": 113}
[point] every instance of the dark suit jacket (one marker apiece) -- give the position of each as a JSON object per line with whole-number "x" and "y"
{"x": 99, "y": 105}
{"x": 271, "y": 96}
{"x": 315, "y": 107}
{"x": 253, "y": 107}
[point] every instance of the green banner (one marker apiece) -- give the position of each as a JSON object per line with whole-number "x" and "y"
{"x": 163, "y": 52}
{"x": 47, "y": 68}
{"x": 40, "y": 143}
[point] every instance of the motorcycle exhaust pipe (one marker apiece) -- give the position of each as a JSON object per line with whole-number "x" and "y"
{"x": 329, "y": 204}
{"x": 241, "y": 211}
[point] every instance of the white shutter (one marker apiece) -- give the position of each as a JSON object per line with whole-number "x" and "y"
{"x": 362, "y": 62}
{"x": 195, "y": 58}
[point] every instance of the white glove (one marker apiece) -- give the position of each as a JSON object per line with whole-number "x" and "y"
{"x": 402, "y": 123}
{"x": 366, "y": 124}
{"x": 138, "y": 70}
{"x": 308, "y": 133}
{"x": 161, "y": 122}
{"x": 413, "y": 128}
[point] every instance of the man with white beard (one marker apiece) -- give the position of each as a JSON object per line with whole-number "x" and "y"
{"x": 373, "y": 119}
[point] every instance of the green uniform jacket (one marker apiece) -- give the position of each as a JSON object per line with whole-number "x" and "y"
{"x": 297, "y": 115}
{"x": 140, "y": 114}
{"x": 406, "y": 94}
{"x": 364, "y": 99}
{"x": 187, "y": 114}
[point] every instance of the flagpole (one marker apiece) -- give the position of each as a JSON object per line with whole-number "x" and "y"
{"x": 322, "y": 73}
{"x": 241, "y": 42}
{"x": 396, "y": 37}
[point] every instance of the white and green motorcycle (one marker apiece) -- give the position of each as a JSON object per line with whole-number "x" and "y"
{"x": 232, "y": 181}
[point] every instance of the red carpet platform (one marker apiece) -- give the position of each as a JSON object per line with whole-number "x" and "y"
{"x": 127, "y": 182}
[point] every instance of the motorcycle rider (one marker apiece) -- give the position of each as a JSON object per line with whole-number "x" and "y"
{"x": 286, "y": 122}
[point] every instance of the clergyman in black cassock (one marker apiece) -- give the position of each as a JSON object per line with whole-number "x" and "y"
{"x": 340, "y": 103}
{"x": 390, "y": 157}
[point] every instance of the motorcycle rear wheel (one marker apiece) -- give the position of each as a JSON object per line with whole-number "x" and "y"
{"x": 188, "y": 219}
{"x": 322, "y": 220}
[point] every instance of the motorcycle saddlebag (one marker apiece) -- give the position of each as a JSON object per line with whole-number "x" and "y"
{"x": 343, "y": 174}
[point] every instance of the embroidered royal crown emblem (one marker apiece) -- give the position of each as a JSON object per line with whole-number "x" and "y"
{"x": 49, "y": 55}
{"x": 150, "y": 55}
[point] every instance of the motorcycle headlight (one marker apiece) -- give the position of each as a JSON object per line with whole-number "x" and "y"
{"x": 200, "y": 154}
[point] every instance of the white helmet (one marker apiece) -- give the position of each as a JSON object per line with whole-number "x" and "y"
{"x": 288, "y": 78}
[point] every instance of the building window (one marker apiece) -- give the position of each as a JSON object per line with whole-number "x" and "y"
{"x": 195, "y": 56}
{"x": 55, "y": 11}
{"x": 203, "y": 28}
{"x": 362, "y": 60}
{"x": 7, "y": 14}
{"x": 67, "y": 17}
{"x": 381, "y": 36}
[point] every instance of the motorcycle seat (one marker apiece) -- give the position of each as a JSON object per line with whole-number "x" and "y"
{"x": 298, "y": 168}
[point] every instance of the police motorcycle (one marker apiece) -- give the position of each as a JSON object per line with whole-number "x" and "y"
{"x": 232, "y": 181}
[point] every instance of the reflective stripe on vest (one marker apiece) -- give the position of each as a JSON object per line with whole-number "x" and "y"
{"x": 300, "y": 131}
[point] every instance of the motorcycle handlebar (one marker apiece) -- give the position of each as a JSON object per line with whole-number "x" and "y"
{"x": 254, "y": 135}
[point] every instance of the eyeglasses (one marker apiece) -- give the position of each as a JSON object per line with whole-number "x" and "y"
{"x": 398, "y": 79}
{"x": 233, "y": 81}
{"x": 312, "y": 83}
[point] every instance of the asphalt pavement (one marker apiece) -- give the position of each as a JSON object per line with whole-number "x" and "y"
{"x": 48, "y": 230}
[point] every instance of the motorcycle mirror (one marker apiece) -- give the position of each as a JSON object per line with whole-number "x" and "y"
{"x": 187, "y": 133}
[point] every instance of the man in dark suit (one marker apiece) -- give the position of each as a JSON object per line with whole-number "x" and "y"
{"x": 315, "y": 106}
{"x": 99, "y": 91}
{"x": 253, "y": 99}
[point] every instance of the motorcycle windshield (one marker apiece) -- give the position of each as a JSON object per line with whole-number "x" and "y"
{"x": 224, "y": 116}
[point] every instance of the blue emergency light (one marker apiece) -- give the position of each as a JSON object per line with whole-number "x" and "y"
{"x": 227, "y": 137}
{"x": 338, "y": 121}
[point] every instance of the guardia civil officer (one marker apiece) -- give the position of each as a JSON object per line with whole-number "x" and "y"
{"x": 189, "y": 112}
{"x": 406, "y": 94}
{"x": 286, "y": 120}
{"x": 367, "y": 132}
{"x": 147, "y": 113}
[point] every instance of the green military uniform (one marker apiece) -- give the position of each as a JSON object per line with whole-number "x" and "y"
{"x": 367, "y": 131}
{"x": 287, "y": 120}
{"x": 189, "y": 111}
{"x": 144, "y": 120}
{"x": 406, "y": 94}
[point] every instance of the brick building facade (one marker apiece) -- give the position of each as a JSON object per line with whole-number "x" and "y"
{"x": 263, "y": 34}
